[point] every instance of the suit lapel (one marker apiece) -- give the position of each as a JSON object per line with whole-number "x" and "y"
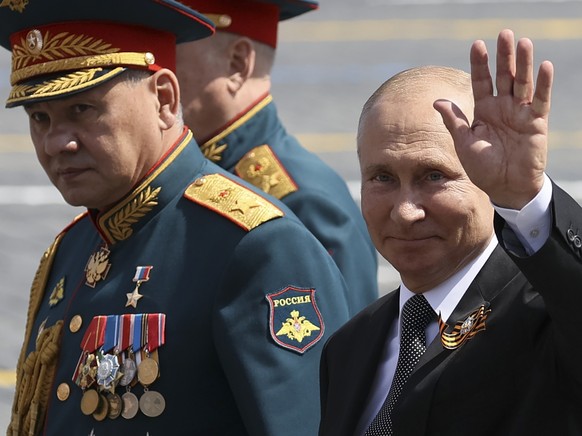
{"x": 415, "y": 400}
{"x": 358, "y": 368}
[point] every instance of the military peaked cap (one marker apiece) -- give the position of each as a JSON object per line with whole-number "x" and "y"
{"x": 257, "y": 19}
{"x": 60, "y": 47}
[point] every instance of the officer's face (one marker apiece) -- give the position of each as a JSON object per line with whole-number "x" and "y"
{"x": 423, "y": 213}
{"x": 96, "y": 145}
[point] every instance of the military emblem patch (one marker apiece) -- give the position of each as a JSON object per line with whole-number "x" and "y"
{"x": 97, "y": 267}
{"x": 58, "y": 293}
{"x": 295, "y": 321}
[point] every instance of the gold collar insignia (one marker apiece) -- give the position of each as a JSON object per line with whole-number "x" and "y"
{"x": 15, "y": 5}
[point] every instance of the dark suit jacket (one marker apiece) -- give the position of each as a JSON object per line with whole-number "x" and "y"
{"x": 522, "y": 375}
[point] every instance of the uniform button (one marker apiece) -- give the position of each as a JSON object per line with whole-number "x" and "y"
{"x": 200, "y": 181}
{"x": 577, "y": 241}
{"x": 76, "y": 323}
{"x": 571, "y": 234}
{"x": 534, "y": 233}
{"x": 63, "y": 391}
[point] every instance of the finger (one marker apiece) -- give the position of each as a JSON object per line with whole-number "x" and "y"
{"x": 523, "y": 85}
{"x": 543, "y": 93}
{"x": 505, "y": 63}
{"x": 480, "y": 75}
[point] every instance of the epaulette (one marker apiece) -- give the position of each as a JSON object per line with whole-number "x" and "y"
{"x": 261, "y": 168}
{"x": 233, "y": 201}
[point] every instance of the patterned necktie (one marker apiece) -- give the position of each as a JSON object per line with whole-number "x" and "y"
{"x": 416, "y": 314}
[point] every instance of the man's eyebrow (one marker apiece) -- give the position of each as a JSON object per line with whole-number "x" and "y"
{"x": 374, "y": 167}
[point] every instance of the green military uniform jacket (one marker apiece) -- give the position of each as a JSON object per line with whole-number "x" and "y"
{"x": 257, "y": 148}
{"x": 222, "y": 294}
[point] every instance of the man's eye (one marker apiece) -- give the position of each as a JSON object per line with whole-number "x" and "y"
{"x": 434, "y": 177}
{"x": 38, "y": 117}
{"x": 80, "y": 108}
{"x": 382, "y": 178}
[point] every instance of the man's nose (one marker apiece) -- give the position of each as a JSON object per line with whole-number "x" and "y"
{"x": 407, "y": 208}
{"x": 60, "y": 139}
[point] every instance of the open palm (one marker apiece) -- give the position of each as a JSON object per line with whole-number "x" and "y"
{"x": 504, "y": 150}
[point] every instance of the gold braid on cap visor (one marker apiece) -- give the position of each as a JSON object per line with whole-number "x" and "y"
{"x": 80, "y": 55}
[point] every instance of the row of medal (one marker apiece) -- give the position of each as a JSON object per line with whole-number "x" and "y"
{"x": 121, "y": 350}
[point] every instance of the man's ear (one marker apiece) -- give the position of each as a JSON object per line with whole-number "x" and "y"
{"x": 167, "y": 91}
{"x": 241, "y": 63}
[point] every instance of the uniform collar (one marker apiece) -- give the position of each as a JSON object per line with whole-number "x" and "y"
{"x": 165, "y": 180}
{"x": 247, "y": 130}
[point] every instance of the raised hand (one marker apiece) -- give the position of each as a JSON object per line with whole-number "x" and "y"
{"x": 504, "y": 150}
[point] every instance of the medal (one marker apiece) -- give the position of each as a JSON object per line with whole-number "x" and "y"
{"x": 128, "y": 369}
{"x": 107, "y": 372}
{"x": 152, "y": 404}
{"x": 147, "y": 371}
{"x": 142, "y": 274}
{"x": 108, "y": 369}
{"x": 464, "y": 330}
{"x": 101, "y": 413}
{"x": 86, "y": 370}
{"x": 115, "y": 405}
{"x": 130, "y": 405}
{"x": 89, "y": 402}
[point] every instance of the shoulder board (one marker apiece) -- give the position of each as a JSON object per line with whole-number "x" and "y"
{"x": 261, "y": 168}
{"x": 233, "y": 201}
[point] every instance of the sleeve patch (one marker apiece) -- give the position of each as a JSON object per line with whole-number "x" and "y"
{"x": 295, "y": 321}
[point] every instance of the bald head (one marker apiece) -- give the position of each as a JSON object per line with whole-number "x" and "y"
{"x": 422, "y": 86}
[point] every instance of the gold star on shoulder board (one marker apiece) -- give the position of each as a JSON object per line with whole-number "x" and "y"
{"x": 243, "y": 205}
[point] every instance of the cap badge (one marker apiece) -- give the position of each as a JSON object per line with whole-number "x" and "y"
{"x": 149, "y": 58}
{"x": 34, "y": 41}
{"x": 220, "y": 20}
{"x": 15, "y": 5}
{"x": 464, "y": 330}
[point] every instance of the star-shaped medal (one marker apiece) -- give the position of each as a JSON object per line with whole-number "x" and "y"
{"x": 133, "y": 297}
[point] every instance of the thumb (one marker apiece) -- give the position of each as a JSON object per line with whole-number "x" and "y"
{"x": 454, "y": 119}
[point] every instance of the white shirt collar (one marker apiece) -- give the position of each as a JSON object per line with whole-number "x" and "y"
{"x": 445, "y": 297}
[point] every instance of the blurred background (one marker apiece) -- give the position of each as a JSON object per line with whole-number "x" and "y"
{"x": 328, "y": 63}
